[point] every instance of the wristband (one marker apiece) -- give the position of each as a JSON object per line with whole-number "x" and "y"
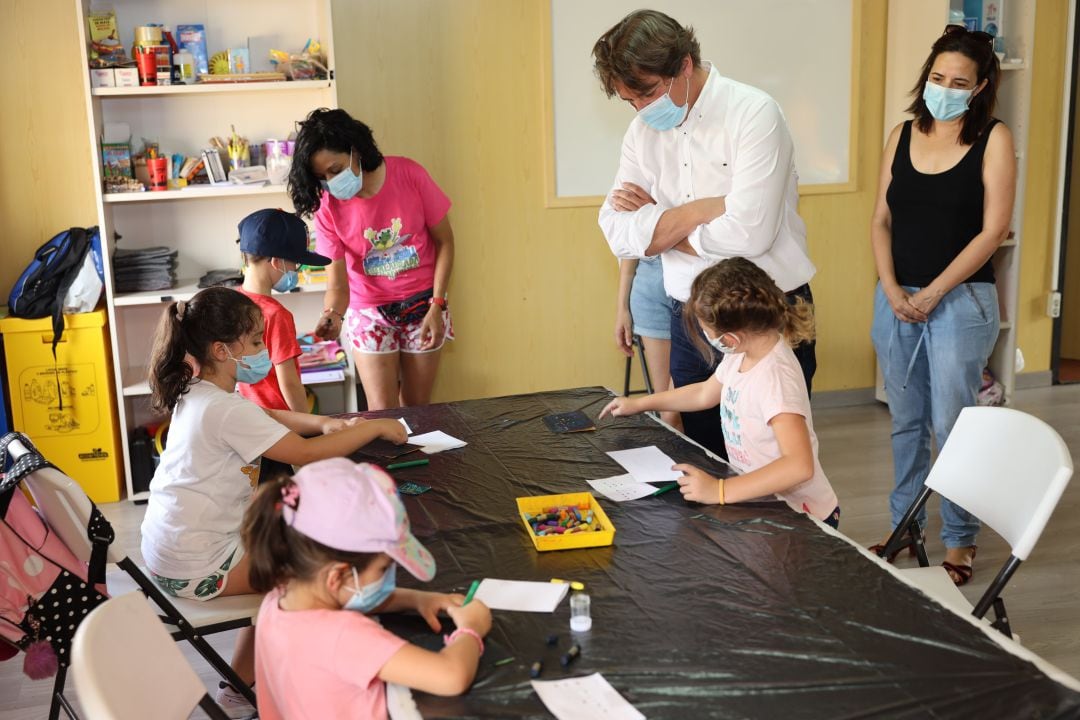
{"x": 721, "y": 481}
{"x": 440, "y": 301}
{"x": 447, "y": 639}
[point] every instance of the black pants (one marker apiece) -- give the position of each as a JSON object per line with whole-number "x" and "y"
{"x": 688, "y": 366}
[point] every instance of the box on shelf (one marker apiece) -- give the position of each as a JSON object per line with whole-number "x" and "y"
{"x": 126, "y": 76}
{"x": 67, "y": 407}
{"x": 102, "y": 77}
{"x": 537, "y": 504}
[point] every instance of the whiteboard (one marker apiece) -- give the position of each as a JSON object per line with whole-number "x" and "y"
{"x": 798, "y": 51}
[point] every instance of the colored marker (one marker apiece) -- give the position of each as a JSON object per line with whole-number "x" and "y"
{"x": 408, "y": 464}
{"x": 536, "y": 668}
{"x": 472, "y": 591}
{"x": 504, "y": 661}
{"x": 570, "y": 655}
{"x": 666, "y": 488}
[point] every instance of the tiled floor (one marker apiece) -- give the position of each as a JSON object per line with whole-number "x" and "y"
{"x": 1044, "y": 607}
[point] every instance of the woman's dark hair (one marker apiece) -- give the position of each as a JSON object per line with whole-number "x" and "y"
{"x": 979, "y": 48}
{"x": 216, "y": 314}
{"x": 645, "y": 42}
{"x": 276, "y": 552}
{"x": 735, "y": 295}
{"x": 333, "y": 130}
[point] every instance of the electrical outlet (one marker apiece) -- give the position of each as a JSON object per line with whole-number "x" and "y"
{"x": 1053, "y": 305}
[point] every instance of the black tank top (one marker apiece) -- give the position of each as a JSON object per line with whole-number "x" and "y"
{"x": 934, "y": 217}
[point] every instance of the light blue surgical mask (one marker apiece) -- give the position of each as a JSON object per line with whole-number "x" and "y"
{"x": 251, "y": 369}
{"x": 368, "y": 597}
{"x": 946, "y": 103}
{"x": 345, "y": 185}
{"x": 289, "y": 279}
{"x": 719, "y": 345}
{"x": 662, "y": 113}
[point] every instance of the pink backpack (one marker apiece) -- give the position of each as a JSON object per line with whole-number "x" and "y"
{"x": 45, "y": 591}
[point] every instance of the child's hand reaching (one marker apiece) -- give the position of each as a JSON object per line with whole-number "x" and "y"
{"x": 391, "y": 430}
{"x": 619, "y": 407}
{"x": 333, "y": 425}
{"x": 476, "y": 616}
{"x": 697, "y": 485}
{"x": 429, "y": 605}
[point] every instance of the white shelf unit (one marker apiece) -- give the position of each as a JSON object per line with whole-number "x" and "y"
{"x": 914, "y": 25}
{"x": 199, "y": 221}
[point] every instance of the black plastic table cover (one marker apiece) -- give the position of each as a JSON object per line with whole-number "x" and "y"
{"x": 747, "y": 611}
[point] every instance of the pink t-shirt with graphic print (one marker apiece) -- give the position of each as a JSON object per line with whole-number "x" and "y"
{"x": 388, "y": 251}
{"x": 317, "y": 664}
{"x": 750, "y": 401}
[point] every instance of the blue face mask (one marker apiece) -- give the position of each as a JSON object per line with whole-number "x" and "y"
{"x": 251, "y": 369}
{"x": 344, "y": 185}
{"x": 368, "y": 597}
{"x": 719, "y": 345}
{"x": 946, "y": 103}
{"x": 289, "y": 280}
{"x": 662, "y": 113}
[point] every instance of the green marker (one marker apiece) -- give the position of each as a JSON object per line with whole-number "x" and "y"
{"x": 472, "y": 591}
{"x": 666, "y": 488}
{"x": 408, "y": 464}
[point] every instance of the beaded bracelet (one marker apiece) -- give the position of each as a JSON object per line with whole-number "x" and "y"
{"x": 447, "y": 639}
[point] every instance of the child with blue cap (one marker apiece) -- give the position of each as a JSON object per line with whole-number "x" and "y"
{"x": 273, "y": 244}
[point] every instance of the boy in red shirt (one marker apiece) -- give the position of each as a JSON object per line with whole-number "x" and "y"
{"x": 273, "y": 243}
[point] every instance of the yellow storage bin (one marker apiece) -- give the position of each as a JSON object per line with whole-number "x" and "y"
{"x": 536, "y": 505}
{"x": 82, "y": 437}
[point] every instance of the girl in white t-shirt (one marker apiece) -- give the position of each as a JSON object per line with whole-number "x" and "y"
{"x": 764, "y": 408}
{"x": 210, "y": 467}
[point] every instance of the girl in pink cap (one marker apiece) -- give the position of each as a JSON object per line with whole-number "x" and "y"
{"x": 330, "y": 539}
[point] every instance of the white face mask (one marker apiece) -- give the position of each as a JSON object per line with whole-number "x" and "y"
{"x": 718, "y": 343}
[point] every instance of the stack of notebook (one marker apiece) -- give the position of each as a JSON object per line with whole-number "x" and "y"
{"x": 137, "y": 270}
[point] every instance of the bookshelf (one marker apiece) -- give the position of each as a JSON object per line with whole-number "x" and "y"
{"x": 200, "y": 221}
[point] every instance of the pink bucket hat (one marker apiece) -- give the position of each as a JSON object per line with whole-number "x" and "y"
{"x": 354, "y": 507}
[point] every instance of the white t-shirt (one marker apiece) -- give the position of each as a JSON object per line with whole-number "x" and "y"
{"x": 207, "y": 474}
{"x": 750, "y": 400}
{"x": 734, "y": 143}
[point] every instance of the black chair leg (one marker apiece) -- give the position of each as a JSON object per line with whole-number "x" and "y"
{"x": 58, "y": 699}
{"x": 189, "y": 633}
{"x": 644, "y": 364}
{"x": 626, "y": 378}
{"x": 992, "y": 597}
{"x": 212, "y": 709}
{"x": 909, "y": 526}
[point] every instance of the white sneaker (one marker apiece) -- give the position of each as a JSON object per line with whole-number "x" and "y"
{"x": 233, "y": 703}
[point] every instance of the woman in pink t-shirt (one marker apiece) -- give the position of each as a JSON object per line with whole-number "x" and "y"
{"x": 764, "y": 409}
{"x": 383, "y": 222}
{"x": 325, "y": 545}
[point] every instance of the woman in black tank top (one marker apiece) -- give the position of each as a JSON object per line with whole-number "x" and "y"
{"x": 944, "y": 206}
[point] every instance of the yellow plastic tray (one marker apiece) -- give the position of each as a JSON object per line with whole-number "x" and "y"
{"x": 596, "y": 538}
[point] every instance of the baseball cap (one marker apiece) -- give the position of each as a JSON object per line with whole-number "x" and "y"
{"x": 278, "y": 234}
{"x": 354, "y": 507}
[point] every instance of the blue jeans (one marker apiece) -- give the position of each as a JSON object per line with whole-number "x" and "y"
{"x": 932, "y": 371}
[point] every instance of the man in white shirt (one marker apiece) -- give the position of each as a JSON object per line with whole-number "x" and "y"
{"x": 706, "y": 173}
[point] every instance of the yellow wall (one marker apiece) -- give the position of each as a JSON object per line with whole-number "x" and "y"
{"x": 46, "y": 184}
{"x": 460, "y": 91}
{"x": 1035, "y": 328}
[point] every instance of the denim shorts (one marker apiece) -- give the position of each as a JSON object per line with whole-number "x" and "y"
{"x": 650, "y": 307}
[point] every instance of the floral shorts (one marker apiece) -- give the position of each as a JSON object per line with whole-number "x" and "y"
{"x": 204, "y": 588}
{"x": 368, "y": 331}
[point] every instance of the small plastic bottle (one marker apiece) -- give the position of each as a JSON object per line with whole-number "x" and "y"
{"x": 580, "y": 616}
{"x": 184, "y": 67}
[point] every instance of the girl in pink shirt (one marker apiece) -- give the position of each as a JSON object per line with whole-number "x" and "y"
{"x": 764, "y": 408}
{"x": 383, "y": 223}
{"x": 325, "y": 546}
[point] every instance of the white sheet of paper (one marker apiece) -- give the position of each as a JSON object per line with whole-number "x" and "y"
{"x": 521, "y": 595}
{"x": 590, "y": 696}
{"x": 436, "y": 442}
{"x": 647, "y": 464}
{"x": 408, "y": 430}
{"x": 622, "y": 488}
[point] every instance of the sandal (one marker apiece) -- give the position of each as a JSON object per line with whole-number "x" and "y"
{"x": 880, "y": 548}
{"x": 960, "y": 574}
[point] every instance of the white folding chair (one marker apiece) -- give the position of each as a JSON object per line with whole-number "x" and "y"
{"x": 67, "y": 510}
{"x": 126, "y": 667}
{"x": 1008, "y": 469}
